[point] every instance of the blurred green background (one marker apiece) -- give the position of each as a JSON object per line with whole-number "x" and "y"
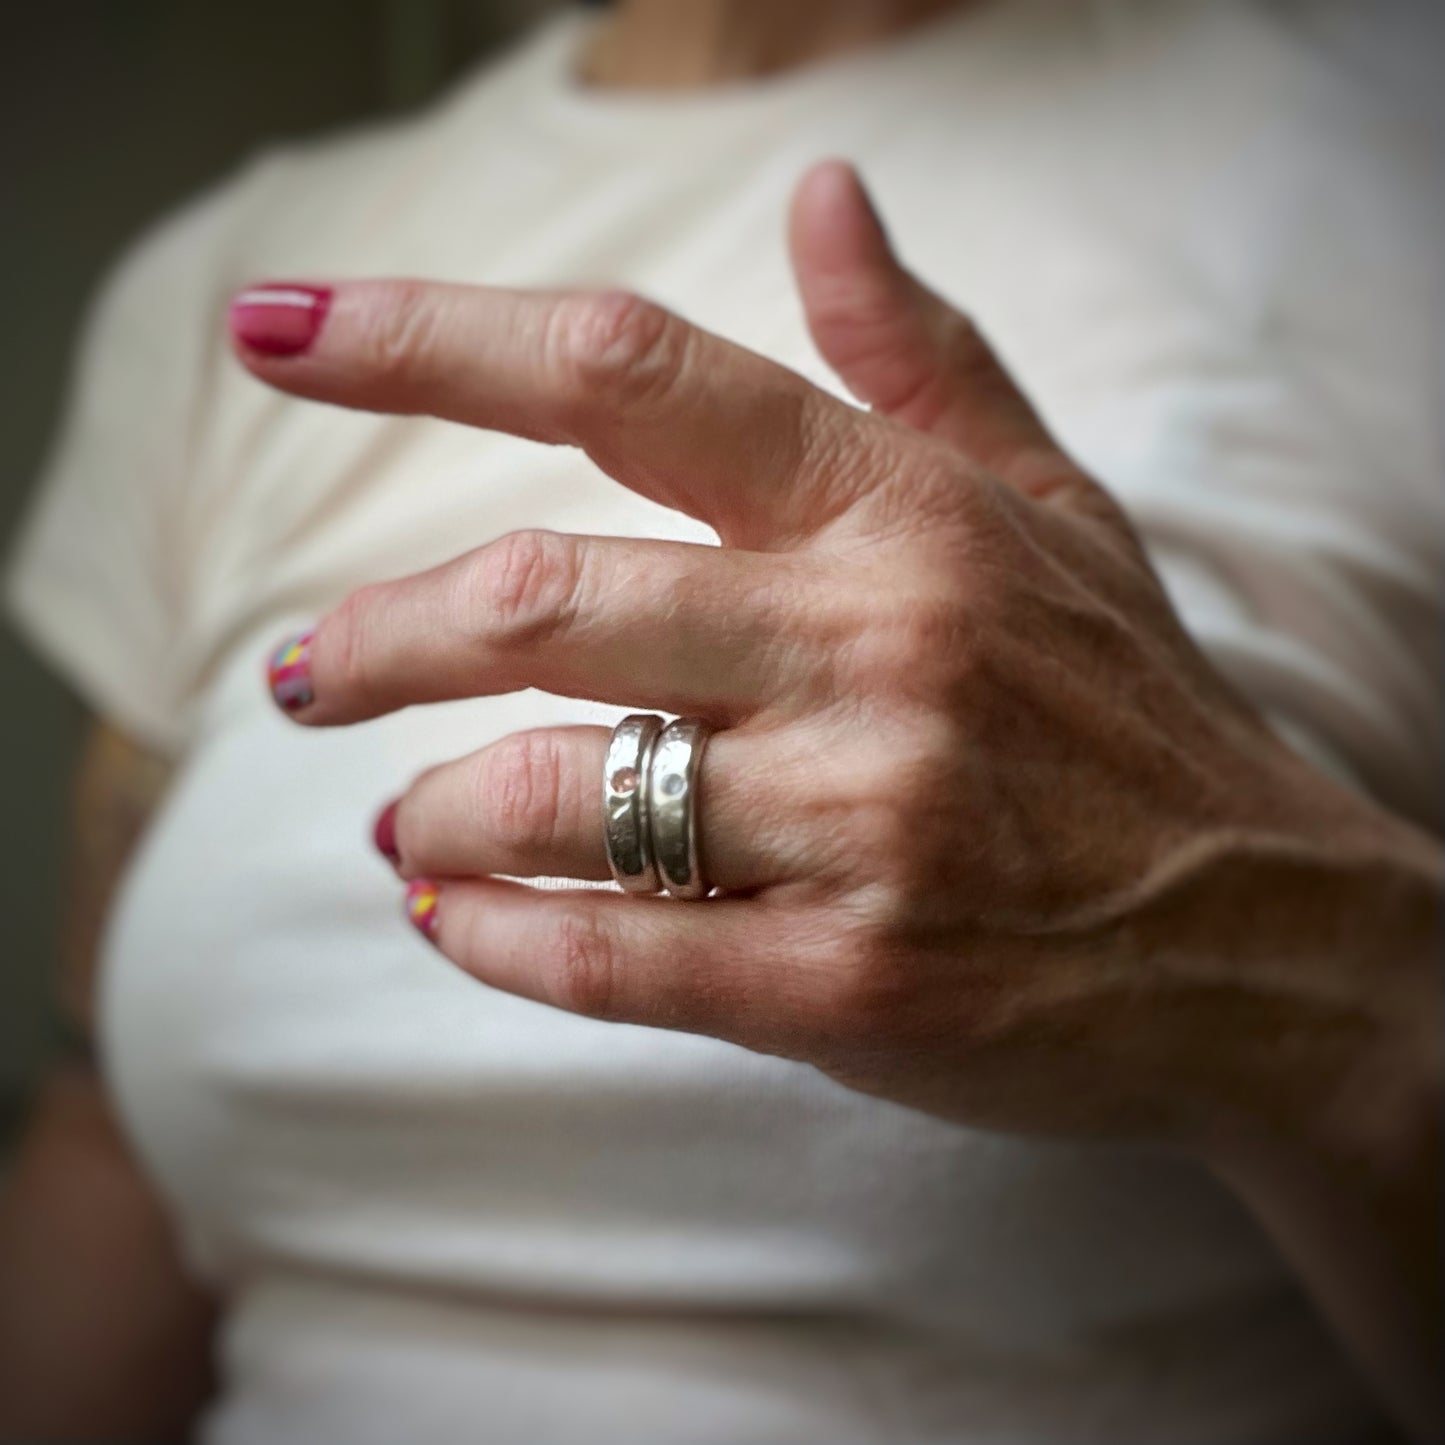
{"x": 113, "y": 110}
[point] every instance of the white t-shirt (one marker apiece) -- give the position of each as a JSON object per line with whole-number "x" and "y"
{"x": 441, "y": 1214}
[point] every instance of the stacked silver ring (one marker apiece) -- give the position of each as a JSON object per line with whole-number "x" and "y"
{"x": 649, "y": 804}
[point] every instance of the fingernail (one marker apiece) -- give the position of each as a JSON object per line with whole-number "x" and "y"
{"x": 290, "y": 674}
{"x": 280, "y": 318}
{"x": 384, "y": 834}
{"x": 421, "y": 907}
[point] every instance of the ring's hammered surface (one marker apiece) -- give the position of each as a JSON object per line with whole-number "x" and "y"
{"x": 625, "y": 800}
{"x": 672, "y": 788}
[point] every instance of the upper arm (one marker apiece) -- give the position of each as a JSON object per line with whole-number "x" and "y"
{"x": 117, "y": 786}
{"x": 102, "y": 577}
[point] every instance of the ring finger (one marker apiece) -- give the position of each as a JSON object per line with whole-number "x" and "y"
{"x": 530, "y": 805}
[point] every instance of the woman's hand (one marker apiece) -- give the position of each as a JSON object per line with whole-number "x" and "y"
{"x": 995, "y": 840}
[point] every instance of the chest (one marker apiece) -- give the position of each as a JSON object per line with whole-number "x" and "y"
{"x": 312, "y": 1085}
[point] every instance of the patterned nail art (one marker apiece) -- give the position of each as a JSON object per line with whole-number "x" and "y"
{"x": 421, "y": 907}
{"x": 290, "y": 675}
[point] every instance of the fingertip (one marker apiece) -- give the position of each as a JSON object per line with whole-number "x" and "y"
{"x": 834, "y": 225}
{"x": 383, "y": 833}
{"x": 277, "y": 318}
{"x": 288, "y": 674}
{"x": 423, "y": 902}
{"x": 830, "y": 177}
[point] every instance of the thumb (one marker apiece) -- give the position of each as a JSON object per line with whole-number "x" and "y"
{"x": 898, "y": 347}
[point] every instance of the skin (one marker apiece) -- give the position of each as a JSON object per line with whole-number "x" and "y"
{"x": 79, "y": 1220}
{"x": 995, "y": 840}
{"x": 683, "y": 44}
{"x": 70, "y": 1372}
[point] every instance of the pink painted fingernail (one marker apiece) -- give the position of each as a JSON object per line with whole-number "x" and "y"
{"x": 281, "y": 318}
{"x": 290, "y": 674}
{"x": 422, "y": 898}
{"x": 384, "y": 834}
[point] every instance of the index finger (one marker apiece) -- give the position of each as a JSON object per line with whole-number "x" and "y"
{"x": 671, "y": 411}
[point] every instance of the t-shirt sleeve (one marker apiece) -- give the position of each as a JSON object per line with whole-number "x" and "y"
{"x": 98, "y": 581}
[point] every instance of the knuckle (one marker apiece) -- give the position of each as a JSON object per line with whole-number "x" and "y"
{"x": 903, "y": 807}
{"x": 524, "y": 586}
{"x": 924, "y": 645}
{"x": 521, "y": 791}
{"x": 933, "y": 630}
{"x": 865, "y": 992}
{"x": 840, "y": 458}
{"x": 352, "y": 667}
{"x": 912, "y": 485}
{"x": 584, "y": 958}
{"x": 402, "y": 322}
{"x": 617, "y": 348}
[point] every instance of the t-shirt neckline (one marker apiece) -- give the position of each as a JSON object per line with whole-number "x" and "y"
{"x": 562, "y": 44}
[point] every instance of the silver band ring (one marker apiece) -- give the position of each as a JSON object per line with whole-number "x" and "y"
{"x": 672, "y": 787}
{"x": 625, "y": 799}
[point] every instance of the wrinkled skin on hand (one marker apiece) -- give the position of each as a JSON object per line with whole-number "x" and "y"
{"x": 993, "y": 838}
